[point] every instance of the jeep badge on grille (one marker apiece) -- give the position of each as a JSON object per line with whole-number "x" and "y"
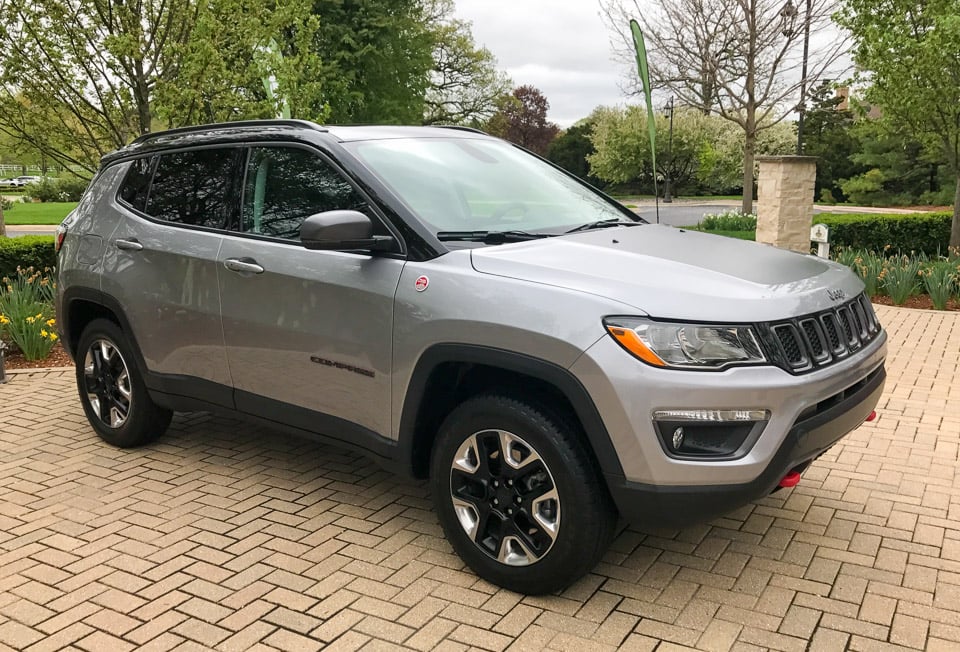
{"x": 836, "y": 295}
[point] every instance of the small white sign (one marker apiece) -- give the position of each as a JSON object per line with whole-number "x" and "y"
{"x": 819, "y": 233}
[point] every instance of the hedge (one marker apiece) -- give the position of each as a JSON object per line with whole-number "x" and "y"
{"x": 928, "y": 233}
{"x": 26, "y": 251}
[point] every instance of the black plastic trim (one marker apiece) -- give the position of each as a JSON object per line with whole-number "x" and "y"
{"x": 561, "y": 379}
{"x": 677, "y": 506}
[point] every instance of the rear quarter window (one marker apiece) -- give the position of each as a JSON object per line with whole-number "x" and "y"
{"x": 133, "y": 190}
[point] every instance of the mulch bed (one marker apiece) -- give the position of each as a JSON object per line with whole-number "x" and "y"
{"x": 57, "y": 358}
{"x": 921, "y": 302}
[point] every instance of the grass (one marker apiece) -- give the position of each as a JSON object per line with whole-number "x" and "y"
{"x": 743, "y": 235}
{"x": 38, "y": 213}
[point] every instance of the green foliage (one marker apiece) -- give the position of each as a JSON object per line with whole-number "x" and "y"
{"x": 707, "y": 153}
{"x": 826, "y": 196}
{"x": 870, "y": 268}
{"x": 64, "y": 189}
{"x": 730, "y": 220}
{"x": 941, "y": 280}
{"x": 901, "y": 278}
{"x": 909, "y": 50}
{"x": 571, "y": 149}
{"x": 464, "y": 82}
{"x": 921, "y": 232}
{"x": 828, "y": 134}
{"x": 26, "y": 251}
{"x": 26, "y": 311}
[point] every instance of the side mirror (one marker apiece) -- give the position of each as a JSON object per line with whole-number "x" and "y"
{"x": 342, "y": 230}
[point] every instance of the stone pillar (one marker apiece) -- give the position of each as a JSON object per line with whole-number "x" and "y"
{"x": 785, "y": 201}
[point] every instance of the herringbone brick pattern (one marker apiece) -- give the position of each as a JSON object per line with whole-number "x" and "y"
{"x": 225, "y": 536}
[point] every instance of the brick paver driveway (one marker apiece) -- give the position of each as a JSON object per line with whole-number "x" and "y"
{"x": 225, "y": 536}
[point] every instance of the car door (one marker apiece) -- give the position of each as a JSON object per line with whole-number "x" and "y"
{"x": 161, "y": 266}
{"x": 308, "y": 333}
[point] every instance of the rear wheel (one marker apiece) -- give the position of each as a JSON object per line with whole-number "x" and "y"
{"x": 112, "y": 392}
{"x": 518, "y": 495}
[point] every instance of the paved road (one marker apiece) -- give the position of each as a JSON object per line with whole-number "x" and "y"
{"x": 223, "y": 535}
{"x": 688, "y": 214}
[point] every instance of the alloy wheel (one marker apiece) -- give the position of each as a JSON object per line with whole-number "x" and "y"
{"x": 504, "y": 497}
{"x": 107, "y": 383}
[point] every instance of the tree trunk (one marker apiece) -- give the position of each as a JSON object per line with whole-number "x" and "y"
{"x": 3, "y": 225}
{"x": 749, "y": 150}
{"x": 955, "y": 228}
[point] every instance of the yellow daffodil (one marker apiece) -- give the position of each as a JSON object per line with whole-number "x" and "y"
{"x": 53, "y": 337}
{"x": 51, "y": 322}
{"x": 4, "y": 320}
{"x": 43, "y": 332}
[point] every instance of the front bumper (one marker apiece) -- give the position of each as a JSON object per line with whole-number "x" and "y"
{"x": 809, "y": 437}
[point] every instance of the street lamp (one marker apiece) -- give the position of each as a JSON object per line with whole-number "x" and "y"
{"x": 667, "y": 198}
{"x": 788, "y": 16}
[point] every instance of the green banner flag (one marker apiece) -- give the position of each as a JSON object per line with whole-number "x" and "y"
{"x": 645, "y": 80}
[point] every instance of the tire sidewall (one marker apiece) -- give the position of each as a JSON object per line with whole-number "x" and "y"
{"x": 131, "y": 432}
{"x": 579, "y": 524}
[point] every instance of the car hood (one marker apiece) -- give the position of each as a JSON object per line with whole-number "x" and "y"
{"x": 677, "y": 274}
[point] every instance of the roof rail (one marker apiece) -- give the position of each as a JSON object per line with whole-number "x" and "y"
{"x": 306, "y": 124}
{"x": 462, "y": 128}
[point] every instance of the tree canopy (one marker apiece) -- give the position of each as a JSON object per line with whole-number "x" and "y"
{"x": 910, "y": 54}
{"x": 522, "y": 119}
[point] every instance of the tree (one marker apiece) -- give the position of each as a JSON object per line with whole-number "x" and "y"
{"x": 909, "y": 52}
{"x": 521, "y": 118}
{"x": 829, "y": 134}
{"x": 464, "y": 83}
{"x": 83, "y": 77}
{"x": 572, "y": 147}
{"x": 737, "y": 58}
{"x": 377, "y": 56}
{"x": 706, "y": 155}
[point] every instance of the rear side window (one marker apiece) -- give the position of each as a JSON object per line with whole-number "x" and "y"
{"x": 195, "y": 187}
{"x": 286, "y": 185}
{"x": 135, "y": 185}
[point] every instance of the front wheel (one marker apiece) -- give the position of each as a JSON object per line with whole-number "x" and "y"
{"x": 114, "y": 396}
{"x": 518, "y": 496}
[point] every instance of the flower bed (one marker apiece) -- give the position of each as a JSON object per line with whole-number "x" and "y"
{"x": 27, "y": 320}
{"x": 912, "y": 280}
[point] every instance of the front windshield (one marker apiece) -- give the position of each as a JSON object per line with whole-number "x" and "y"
{"x": 466, "y": 184}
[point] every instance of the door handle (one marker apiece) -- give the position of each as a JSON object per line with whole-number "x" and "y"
{"x": 243, "y": 265}
{"x": 128, "y": 245}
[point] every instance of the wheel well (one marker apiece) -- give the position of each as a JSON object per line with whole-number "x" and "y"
{"x": 451, "y": 383}
{"x": 80, "y": 313}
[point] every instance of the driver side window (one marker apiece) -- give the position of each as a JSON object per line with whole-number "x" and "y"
{"x": 286, "y": 185}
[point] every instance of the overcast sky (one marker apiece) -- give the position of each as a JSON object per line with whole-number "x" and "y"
{"x": 560, "y": 46}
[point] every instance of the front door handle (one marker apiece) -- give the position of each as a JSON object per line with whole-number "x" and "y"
{"x": 128, "y": 245}
{"x": 243, "y": 265}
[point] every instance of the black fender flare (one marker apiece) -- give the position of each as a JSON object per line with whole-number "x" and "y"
{"x": 560, "y": 378}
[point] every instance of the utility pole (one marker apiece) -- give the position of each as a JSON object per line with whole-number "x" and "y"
{"x": 667, "y": 198}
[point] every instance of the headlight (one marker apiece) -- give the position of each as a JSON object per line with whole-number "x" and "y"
{"x": 686, "y": 346}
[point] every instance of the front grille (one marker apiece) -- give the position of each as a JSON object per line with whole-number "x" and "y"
{"x": 823, "y": 338}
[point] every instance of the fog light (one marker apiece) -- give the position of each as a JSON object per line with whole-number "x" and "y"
{"x": 704, "y": 434}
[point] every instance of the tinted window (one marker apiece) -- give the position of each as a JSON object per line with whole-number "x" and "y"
{"x": 195, "y": 187}
{"x": 135, "y": 185}
{"x": 286, "y": 185}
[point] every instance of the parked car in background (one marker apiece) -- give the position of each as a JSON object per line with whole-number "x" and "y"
{"x": 20, "y": 182}
{"x": 464, "y": 311}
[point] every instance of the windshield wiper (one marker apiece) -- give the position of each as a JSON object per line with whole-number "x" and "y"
{"x": 490, "y": 237}
{"x": 602, "y": 224}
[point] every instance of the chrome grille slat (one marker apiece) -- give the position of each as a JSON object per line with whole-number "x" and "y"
{"x": 826, "y": 337}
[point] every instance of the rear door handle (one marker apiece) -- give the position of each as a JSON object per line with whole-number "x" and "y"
{"x": 243, "y": 265}
{"x": 128, "y": 245}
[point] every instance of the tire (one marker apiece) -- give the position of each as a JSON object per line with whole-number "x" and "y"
{"x": 535, "y": 524}
{"x": 112, "y": 391}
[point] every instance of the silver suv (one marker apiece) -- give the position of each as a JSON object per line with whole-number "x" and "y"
{"x": 462, "y": 311}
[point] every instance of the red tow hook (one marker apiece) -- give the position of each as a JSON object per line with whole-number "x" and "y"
{"x": 790, "y": 480}
{"x": 872, "y": 416}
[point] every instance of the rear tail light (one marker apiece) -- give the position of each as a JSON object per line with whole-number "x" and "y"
{"x": 58, "y": 240}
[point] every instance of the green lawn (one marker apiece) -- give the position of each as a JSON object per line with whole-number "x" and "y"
{"x": 38, "y": 213}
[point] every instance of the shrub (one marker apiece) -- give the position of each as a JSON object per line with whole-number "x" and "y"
{"x": 902, "y": 278}
{"x": 928, "y": 233}
{"x": 63, "y": 189}
{"x": 26, "y": 251}
{"x": 26, "y": 311}
{"x": 731, "y": 220}
{"x": 940, "y": 279}
{"x": 826, "y": 196}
